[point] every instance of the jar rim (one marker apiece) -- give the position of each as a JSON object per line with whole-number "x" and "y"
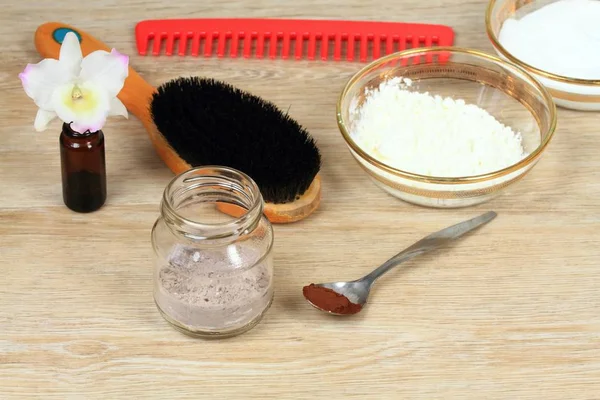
{"x": 215, "y": 230}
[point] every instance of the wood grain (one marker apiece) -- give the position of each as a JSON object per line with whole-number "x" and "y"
{"x": 511, "y": 312}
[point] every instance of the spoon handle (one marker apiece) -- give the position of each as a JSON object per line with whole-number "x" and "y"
{"x": 431, "y": 242}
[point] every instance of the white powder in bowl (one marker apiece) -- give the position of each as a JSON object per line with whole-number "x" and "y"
{"x": 431, "y": 135}
{"x": 561, "y": 37}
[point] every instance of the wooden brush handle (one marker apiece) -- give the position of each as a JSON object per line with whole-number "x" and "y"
{"x": 136, "y": 93}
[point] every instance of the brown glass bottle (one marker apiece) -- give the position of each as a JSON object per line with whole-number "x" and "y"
{"x": 83, "y": 168}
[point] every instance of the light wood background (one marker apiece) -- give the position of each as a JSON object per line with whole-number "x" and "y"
{"x": 511, "y": 312}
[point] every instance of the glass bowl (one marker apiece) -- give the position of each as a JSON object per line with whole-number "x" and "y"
{"x": 506, "y": 91}
{"x": 578, "y": 94}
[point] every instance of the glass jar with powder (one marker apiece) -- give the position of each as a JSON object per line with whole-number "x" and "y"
{"x": 213, "y": 272}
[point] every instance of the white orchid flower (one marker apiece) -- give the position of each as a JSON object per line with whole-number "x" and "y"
{"x": 80, "y": 91}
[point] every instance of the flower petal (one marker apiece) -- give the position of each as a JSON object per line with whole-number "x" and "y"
{"x": 88, "y": 112}
{"x": 41, "y": 79}
{"x": 91, "y": 125}
{"x": 117, "y": 108}
{"x": 70, "y": 54}
{"x": 105, "y": 69}
{"x": 42, "y": 119}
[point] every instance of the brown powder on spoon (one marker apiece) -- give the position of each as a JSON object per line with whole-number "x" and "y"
{"x": 330, "y": 300}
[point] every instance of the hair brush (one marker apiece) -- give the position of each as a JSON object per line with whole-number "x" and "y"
{"x": 195, "y": 121}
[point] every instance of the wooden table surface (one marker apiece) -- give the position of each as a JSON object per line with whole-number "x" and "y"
{"x": 512, "y": 312}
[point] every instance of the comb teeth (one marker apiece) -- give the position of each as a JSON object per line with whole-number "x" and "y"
{"x": 311, "y": 39}
{"x": 280, "y": 45}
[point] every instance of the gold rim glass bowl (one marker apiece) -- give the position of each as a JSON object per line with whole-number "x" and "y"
{"x": 578, "y": 94}
{"x": 504, "y": 90}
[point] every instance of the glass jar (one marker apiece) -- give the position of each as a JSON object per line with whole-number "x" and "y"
{"x": 213, "y": 271}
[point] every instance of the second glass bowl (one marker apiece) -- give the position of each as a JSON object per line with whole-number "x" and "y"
{"x": 577, "y": 94}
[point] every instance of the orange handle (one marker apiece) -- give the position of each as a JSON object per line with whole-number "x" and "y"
{"x": 136, "y": 93}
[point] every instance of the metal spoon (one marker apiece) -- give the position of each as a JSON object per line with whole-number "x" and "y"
{"x": 358, "y": 291}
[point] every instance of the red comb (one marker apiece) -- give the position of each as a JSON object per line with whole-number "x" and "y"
{"x": 371, "y": 39}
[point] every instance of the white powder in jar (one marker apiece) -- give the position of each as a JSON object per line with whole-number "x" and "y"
{"x": 561, "y": 38}
{"x": 204, "y": 291}
{"x": 431, "y": 135}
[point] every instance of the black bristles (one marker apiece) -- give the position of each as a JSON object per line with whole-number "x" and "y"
{"x": 208, "y": 122}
